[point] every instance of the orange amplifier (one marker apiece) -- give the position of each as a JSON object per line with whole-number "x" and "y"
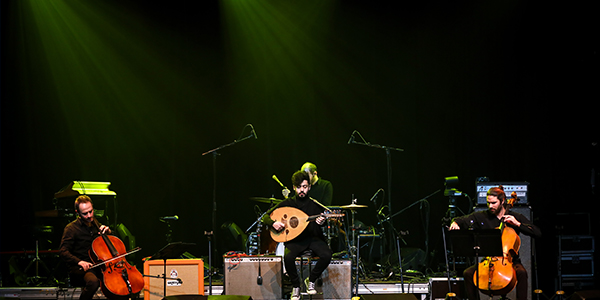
{"x": 184, "y": 276}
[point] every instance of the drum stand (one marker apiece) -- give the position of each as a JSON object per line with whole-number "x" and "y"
{"x": 354, "y": 244}
{"x": 36, "y": 261}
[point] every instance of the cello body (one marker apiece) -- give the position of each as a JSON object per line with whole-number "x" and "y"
{"x": 120, "y": 279}
{"x": 496, "y": 274}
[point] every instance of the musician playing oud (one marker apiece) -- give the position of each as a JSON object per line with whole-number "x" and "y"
{"x": 76, "y": 241}
{"x": 310, "y": 239}
{"x": 498, "y": 212}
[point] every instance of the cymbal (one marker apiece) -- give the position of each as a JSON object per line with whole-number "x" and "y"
{"x": 353, "y": 206}
{"x": 266, "y": 200}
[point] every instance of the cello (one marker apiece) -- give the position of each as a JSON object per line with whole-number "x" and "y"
{"x": 120, "y": 279}
{"x": 496, "y": 274}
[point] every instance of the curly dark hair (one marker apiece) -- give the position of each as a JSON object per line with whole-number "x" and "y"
{"x": 498, "y": 192}
{"x": 299, "y": 177}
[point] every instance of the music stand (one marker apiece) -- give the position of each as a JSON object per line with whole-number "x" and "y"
{"x": 482, "y": 242}
{"x": 469, "y": 243}
{"x": 170, "y": 251}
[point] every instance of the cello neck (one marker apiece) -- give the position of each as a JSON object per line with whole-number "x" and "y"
{"x": 106, "y": 239}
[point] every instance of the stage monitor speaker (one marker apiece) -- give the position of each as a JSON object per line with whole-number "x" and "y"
{"x": 210, "y": 297}
{"x": 525, "y": 252}
{"x": 190, "y": 273}
{"x": 388, "y": 297}
{"x": 335, "y": 282}
{"x": 439, "y": 288}
{"x": 241, "y": 275}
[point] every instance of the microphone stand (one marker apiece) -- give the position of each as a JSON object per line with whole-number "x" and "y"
{"x": 259, "y": 231}
{"x": 215, "y": 152}
{"x": 399, "y": 235}
{"x": 388, "y": 155}
{"x": 403, "y": 210}
{"x": 255, "y": 222}
{"x": 169, "y": 234}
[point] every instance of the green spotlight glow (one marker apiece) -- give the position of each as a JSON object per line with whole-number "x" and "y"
{"x": 107, "y": 72}
{"x": 283, "y": 49}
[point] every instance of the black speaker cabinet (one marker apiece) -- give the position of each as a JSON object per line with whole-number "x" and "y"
{"x": 335, "y": 282}
{"x": 241, "y": 276}
{"x": 525, "y": 252}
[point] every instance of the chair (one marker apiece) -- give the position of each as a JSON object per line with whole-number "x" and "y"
{"x": 306, "y": 256}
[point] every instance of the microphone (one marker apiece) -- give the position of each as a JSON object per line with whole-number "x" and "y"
{"x": 285, "y": 191}
{"x": 259, "y": 279}
{"x": 277, "y": 179}
{"x": 376, "y": 193}
{"x": 381, "y": 209}
{"x": 169, "y": 218}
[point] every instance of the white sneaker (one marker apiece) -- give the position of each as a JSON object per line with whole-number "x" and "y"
{"x": 295, "y": 294}
{"x": 310, "y": 287}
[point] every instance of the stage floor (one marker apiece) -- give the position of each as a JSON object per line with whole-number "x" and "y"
{"x": 421, "y": 291}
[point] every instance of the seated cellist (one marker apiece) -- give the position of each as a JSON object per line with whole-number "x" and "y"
{"x": 76, "y": 241}
{"x": 496, "y": 214}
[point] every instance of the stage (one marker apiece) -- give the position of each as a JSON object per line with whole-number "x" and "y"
{"x": 421, "y": 291}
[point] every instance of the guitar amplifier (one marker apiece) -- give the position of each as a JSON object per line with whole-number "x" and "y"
{"x": 335, "y": 282}
{"x": 241, "y": 274}
{"x": 184, "y": 276}
{"x": 521, "y": 188}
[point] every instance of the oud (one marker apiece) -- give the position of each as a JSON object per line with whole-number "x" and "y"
{"x": 295, "y": 222}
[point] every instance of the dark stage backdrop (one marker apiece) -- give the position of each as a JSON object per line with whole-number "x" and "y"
{"x": 134, "y": 93}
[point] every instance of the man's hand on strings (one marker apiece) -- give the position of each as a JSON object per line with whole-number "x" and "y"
{"x": 320, "y": 220}
{"x": 104, "y": 229}
{"x": 510, "y": 219}
{"x": 279, "y": 226}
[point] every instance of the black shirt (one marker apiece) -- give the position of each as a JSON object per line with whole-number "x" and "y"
{"x": 322, "y": 191}
{"x": 309, "y": 207}
{"x": 487, "y": 220}
{"x": 76, "y": 241}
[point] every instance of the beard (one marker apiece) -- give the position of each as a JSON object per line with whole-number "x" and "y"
{"x": 88, "y": 220}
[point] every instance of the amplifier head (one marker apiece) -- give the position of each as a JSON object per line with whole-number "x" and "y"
{"x": 520, "y": 188}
